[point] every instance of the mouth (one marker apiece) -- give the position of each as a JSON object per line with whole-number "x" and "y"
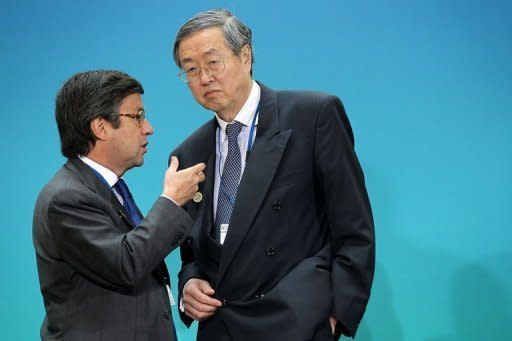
{"x": 209, "y": 93}
{"x": 144, "y": 146}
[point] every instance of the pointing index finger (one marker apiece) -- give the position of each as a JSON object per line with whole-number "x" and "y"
{"x": 197, "y": 168}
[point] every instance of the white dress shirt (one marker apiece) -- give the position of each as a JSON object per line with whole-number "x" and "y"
{"x": 244, "y": 116}
{"x": 110, "y": 177}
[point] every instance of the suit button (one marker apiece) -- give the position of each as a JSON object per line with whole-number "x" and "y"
{"x": 276, "y": 205}
{"x": 224, "y": 302}
{"x": 167, "y": 315}
{"x": 270, "y": 251}
{"x": 260, "y": 295}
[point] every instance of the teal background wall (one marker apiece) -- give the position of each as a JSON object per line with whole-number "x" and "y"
{"x": 427, "y": 86}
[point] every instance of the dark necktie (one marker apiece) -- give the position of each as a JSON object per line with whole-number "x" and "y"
{"x": 229, "y": 179}
{"x": 128, "y": 203}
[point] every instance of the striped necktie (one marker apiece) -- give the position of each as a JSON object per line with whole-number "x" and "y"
{"x": 229, "y": 179}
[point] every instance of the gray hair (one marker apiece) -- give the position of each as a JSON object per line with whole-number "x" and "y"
{"x": 236, "y": 34}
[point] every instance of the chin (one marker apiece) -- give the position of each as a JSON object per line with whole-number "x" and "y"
{"x": 138, "y": 163}
{"x": 211, "y": 105}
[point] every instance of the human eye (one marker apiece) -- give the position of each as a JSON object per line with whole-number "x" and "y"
{"x": 191, "y": 70}
{"x": 215, "y": 65}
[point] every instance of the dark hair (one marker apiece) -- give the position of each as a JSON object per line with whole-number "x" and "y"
{"x": 84, "y": 97}
{"x": 236, "y": 34}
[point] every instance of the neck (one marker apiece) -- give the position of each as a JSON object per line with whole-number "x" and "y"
{"x": 100, "y": 157}
{"x": 229, "y": 114}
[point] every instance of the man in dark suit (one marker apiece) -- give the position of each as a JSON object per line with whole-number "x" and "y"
{"x": 101, "y": 264}
{"x": 282, "y": 246}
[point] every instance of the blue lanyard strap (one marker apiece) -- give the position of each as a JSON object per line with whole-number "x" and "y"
{"x": 251, "y": 133}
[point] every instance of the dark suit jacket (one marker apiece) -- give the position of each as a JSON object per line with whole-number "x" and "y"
{"x": 300, "y": 246}
{"x": 101, "y": 278}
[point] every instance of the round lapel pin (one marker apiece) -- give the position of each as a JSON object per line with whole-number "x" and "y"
{"x": 198, "y": 197}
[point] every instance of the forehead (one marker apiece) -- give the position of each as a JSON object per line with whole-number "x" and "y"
{"x": 201, "y": 44}
{"x": 131, "y": 102}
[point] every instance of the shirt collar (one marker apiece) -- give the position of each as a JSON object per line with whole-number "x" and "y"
{"x": 246, "y": 114}
{"x": 106, "y": 173}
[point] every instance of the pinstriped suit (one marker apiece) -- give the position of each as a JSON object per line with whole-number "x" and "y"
{"x": 101, "y": 278}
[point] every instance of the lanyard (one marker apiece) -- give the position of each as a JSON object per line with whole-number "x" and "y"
{"x": 249, "y": 148}
{"x": 251, "y": 134}
{"x": 249, "y": 140}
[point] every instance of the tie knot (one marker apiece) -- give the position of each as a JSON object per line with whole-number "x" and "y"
{"x": 233, "y": 129}
{"x": 122, "y": 189}
{"x": 128, "y": 202}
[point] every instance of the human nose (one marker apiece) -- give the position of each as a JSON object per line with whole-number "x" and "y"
{"x": 205, "y": 76}
{"x": 147, "y": 128}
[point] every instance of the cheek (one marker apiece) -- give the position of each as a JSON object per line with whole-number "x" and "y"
{"x": 197, "y": 97}
{"x": 194, "y": 91}
{"x": 231, "y": 85}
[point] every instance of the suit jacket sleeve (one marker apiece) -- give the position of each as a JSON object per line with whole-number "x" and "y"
{"x": 100, "y": 245}
{"x": 189, "y": 267}
{"x": 348, "y": 212}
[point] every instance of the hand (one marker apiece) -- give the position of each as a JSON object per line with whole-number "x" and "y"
{"x": 197, "y": 300}
{"x": 181, "y": 185}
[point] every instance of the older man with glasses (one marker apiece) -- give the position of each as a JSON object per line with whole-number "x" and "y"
{"x": 282, "y": 247}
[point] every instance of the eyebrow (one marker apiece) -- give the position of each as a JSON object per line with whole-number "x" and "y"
{"x": 208, "y": 52}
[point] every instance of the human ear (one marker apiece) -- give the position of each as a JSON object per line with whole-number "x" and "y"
{"x": 100, "y": 128}
{"x": 246, "y": 54}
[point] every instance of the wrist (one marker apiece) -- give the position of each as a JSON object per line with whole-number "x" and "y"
{"x": 169, "y": 198}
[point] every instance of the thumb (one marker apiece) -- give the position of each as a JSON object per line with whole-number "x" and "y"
{"x": 174, "y": 164}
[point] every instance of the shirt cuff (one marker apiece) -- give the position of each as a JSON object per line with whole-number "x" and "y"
{"x": 167, "y": 197}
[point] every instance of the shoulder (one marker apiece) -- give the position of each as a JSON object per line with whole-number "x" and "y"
{"x": 196, "y": 145}
{"x": 309, "y": 104}
{"x": 296, "y": 96}
{"x": 65, "y": 188}
{"x": 304, "y": 96}
{"x": 199, "y": 136}
{"x": 58, "y": 186}
{"x": 306, "y": 108}
{"x": 302, "y": 100}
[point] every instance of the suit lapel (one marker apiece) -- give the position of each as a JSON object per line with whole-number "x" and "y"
{"x": 88, "y": 177}
{"x": 259, "y": 172}
{"x": 96, "y": 185}
{"x": 202, "y": 149}
{"x": 206, "y": 219}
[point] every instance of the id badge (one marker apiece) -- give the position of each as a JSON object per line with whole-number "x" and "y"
{"x": 223, "y": 232}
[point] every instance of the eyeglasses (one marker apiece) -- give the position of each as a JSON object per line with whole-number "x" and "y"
{"x": 139, "y": 117}
{"x": 192, "y": 73}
